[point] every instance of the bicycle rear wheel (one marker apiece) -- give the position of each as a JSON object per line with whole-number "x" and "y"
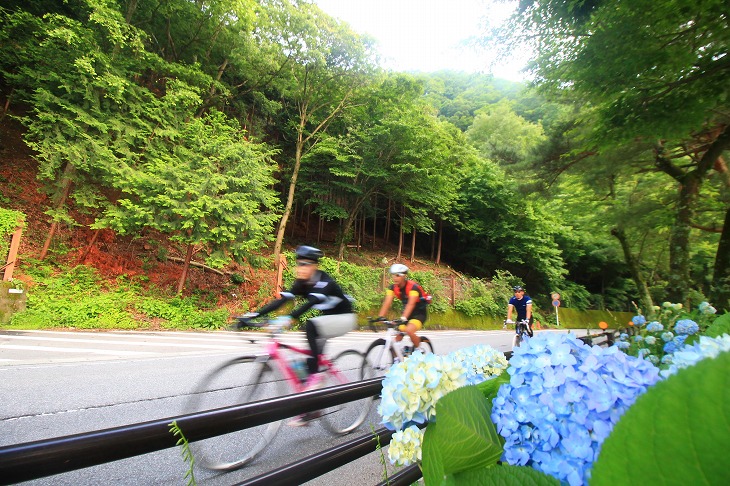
{"x": 235, "y": 382}
{"x": 378, "y": 359}
{"x": 343, "y": 419}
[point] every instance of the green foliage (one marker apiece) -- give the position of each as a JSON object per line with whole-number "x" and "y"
{"x": 9, "y": 222}
{"x": 79, "y": 298}
{"x": 675, "y": 433}
{"x": 463, "y": 447}
{"x": 480, "y": 300}
{"x": 187, "y": 454}
{"x": 720, "y": 326}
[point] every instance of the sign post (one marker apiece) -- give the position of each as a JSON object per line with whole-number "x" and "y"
{"x": 556, "y": 303}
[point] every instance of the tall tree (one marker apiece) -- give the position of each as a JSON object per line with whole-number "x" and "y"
{"x": 654, "y": 70}
{"x": 322, "y": 64}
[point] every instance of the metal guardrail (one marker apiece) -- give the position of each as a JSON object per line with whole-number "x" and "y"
{"x": 33, "y": 460}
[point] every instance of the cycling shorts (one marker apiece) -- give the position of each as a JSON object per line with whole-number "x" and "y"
{"x": 416, "y": 319}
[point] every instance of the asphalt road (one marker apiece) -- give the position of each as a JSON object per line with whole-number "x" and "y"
{"x": 60, "y": 383}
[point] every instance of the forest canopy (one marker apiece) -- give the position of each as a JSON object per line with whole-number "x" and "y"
{"x": 220, "y": 124}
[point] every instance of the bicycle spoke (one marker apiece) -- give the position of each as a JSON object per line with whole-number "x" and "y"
{"x": 233, "y": 383}
{"x": 378, "y": 359}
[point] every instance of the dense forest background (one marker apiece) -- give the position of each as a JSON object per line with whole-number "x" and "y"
{"x": 233, "y": 128}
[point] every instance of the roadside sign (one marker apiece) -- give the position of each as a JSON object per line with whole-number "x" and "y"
{"x": 556, "y": 303}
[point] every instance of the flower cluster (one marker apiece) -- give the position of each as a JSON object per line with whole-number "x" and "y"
{"x": 481, "y": 362}
{"x": 412, "y": 387}
{"x": 405, "y": 446}
{"x": 658, "y": 341}
{"x": 706, "y": 347}
{"x": 563, "y": 400}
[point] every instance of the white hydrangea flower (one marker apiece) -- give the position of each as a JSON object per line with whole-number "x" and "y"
{"x": 481, "y": 362}
{"x": 405, "y": 446}
{"x": 412, "y": 388}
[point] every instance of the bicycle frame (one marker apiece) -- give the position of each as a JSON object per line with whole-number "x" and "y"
{"x": 390, "y": 344}
{"x": 273, "y": 353}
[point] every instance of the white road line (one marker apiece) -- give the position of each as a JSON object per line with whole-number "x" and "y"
{"x": 78, "y": 350}
{"x": 125, "y": 343}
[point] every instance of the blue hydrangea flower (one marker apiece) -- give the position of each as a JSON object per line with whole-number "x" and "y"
{"x": 706, "y": 308}
{"x": 654, "y": 326}
{"x": 623, "y": 336}
{"x": 555, "y": 412}
{"x": 667, "y": 336}
{"x": 623, "y": 345}
{"x": 706, "y": 347}
{"x": 638, "y": 339}
{"x": 650, "y": 340}
{"x": 686, "y": 327}
{"x": 638, "y": 320}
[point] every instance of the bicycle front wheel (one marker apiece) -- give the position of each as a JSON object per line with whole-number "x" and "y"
{"x": 235, "y": 382}
{"x": 378, "y": 359}
{"x": 342, "y": 419}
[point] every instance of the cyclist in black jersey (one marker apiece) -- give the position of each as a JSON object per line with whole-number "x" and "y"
{"x": 322, "y": 293}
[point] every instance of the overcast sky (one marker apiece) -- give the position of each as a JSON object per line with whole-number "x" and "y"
{"x": 426, "y": 35}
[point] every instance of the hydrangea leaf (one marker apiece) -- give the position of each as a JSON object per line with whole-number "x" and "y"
{"x": 676, "y": 433}
{"x": 462, "y": 438}
{"x": 720, "y": 326}
{"x": 490, "y": 388}
{"x": 504, "y": 475}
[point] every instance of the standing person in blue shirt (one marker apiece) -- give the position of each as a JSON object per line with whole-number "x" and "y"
{"x": 522, "y": 303}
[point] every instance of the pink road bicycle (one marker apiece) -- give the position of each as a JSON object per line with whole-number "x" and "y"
{"x": 269, "y": 374}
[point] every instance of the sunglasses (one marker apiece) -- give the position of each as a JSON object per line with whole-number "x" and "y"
{"x": 399, "y": 274}
{"x": 303, "y": 263}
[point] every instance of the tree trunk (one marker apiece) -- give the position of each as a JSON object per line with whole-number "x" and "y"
{"x": 400, "y": 242}
{"x": 413, "y": 245}
{"x": 375, "y": 220}
{"x": 186, "y": 267}
{"x": 386, "y": 230}
{"x": 679, "y": 268}
{"x": 66, "y": 178}
{"x": 88, "y": 247}
{"x": 438, "y": 252}
{"x": 289, "y": 199}
{"x": 720, "y": 287}
{"x": 644, "y": 295}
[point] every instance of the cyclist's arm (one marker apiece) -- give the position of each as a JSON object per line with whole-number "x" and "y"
{"x": 275, "y": 304}
{"x": 528, "y": 311}
{"x": 510, "y": 307}
{"x": 387, "y": 302}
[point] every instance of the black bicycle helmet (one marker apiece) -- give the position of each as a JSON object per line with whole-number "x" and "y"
{"x": 304, "y": 252}
{"x": 517, "y": 288}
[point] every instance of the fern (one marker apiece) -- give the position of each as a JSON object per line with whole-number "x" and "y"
{"x": 187, "y": 454}
{"x": 382, "y": 456}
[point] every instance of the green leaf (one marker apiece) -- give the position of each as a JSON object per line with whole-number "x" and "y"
{"x": 676, "y": 433}
{"x": 462, "y": 438}
{"x": 503, "y": 475}
{"x": 720, "y": 326}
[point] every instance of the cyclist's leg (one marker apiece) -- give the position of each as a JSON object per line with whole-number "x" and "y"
{"x": 410, "y": 328}
{"x": 312, "y": 338}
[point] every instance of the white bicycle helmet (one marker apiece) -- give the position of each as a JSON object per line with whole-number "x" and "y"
{"x": 398, "y": 268}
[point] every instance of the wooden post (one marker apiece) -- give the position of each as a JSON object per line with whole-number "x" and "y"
{"x": 12, "y": 254}
{"x": 453, "y": 290}
{"x": 280, "y": 276}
